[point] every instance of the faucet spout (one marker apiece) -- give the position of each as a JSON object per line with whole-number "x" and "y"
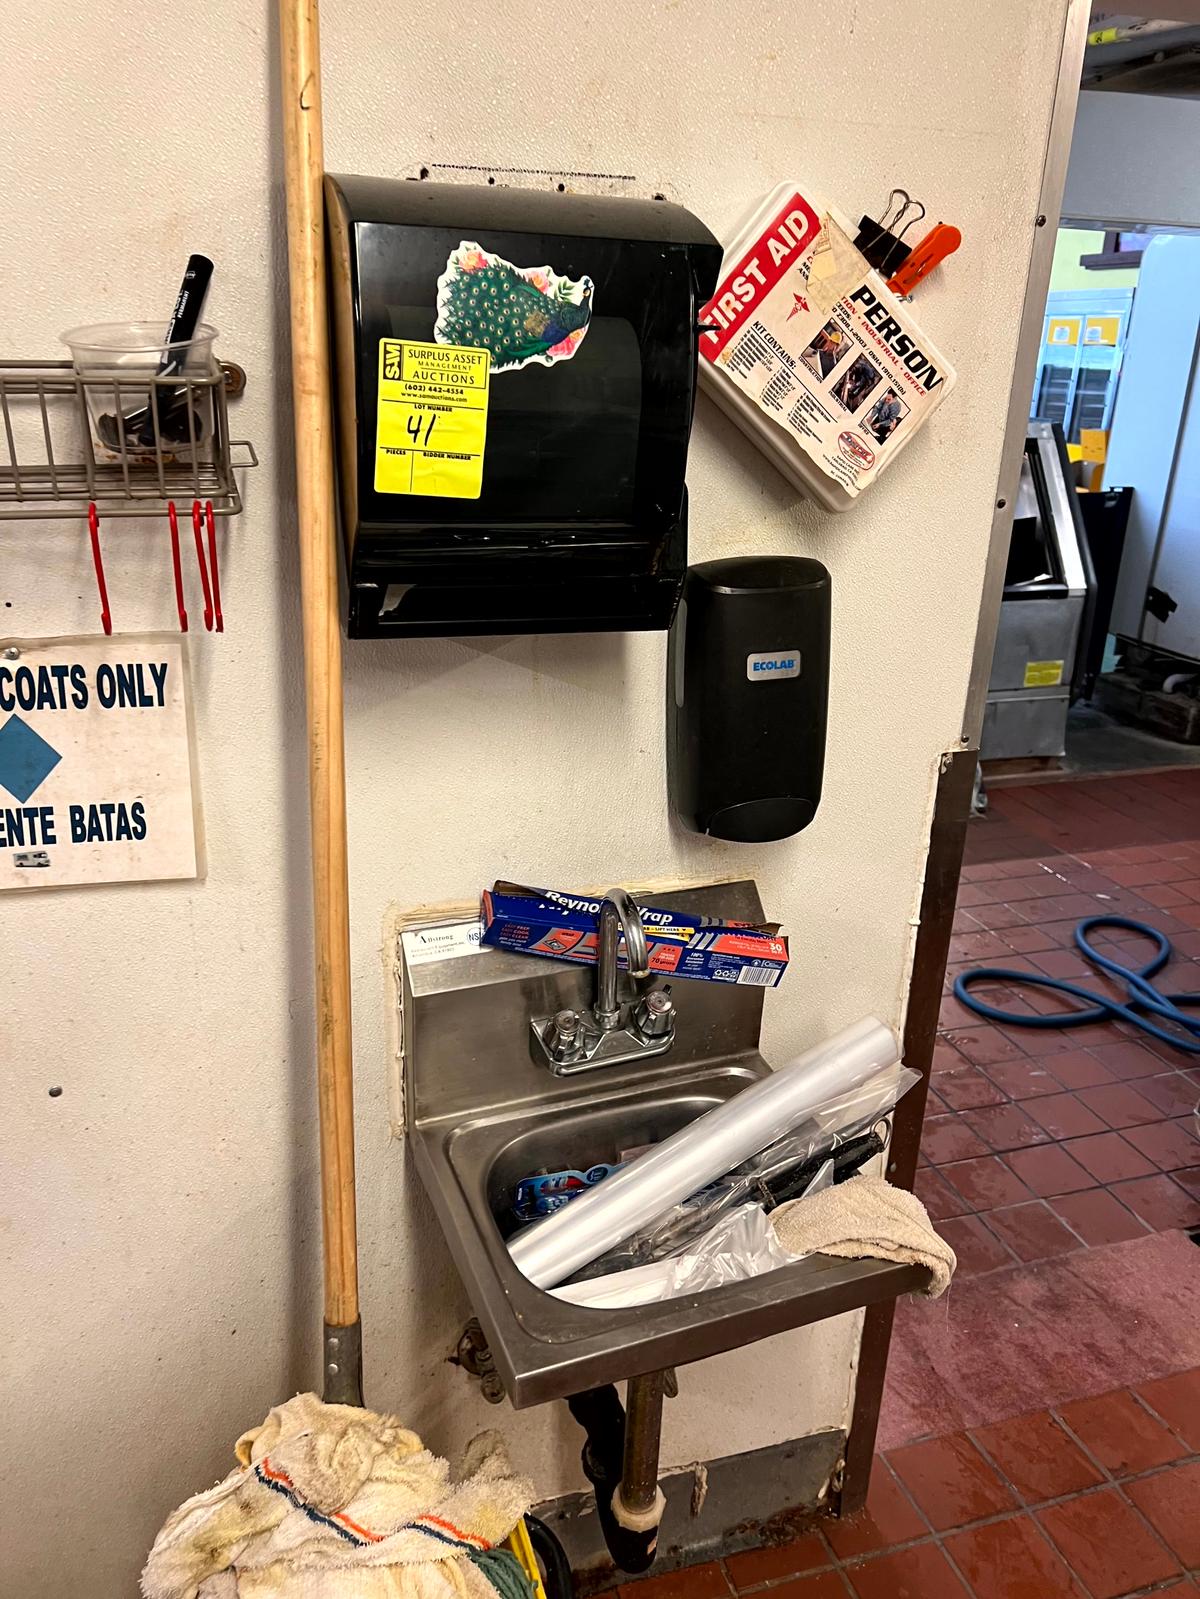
{"x": 618, "y": 914}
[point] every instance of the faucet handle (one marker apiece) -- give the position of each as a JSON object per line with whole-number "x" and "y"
{"x": 654, "y": 1015}
{"x": 563, "y": 1036}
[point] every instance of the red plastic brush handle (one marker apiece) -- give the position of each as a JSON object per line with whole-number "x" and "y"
{"x": 214, "y": 570}
{"x": 98, "y": 563}
{"x": 198, "y": 535}
{"x": 177, "y": 565}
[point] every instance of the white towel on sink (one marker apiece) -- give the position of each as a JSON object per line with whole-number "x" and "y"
{"x": 865, "y": 1217}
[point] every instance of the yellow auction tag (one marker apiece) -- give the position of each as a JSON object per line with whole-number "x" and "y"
{"x": 433, "y": 405}
{"x": 1043, "y": 674}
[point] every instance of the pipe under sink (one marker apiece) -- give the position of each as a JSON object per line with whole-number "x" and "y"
{"x": 482, "y": 1113}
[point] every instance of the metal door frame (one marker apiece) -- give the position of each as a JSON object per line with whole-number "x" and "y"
{"x": 952, "y": 804}
{"x": 1029, "y": 344}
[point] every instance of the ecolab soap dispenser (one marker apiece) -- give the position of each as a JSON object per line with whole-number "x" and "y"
{"x": 747, "y": 692}
{"x": 515, "y": 380}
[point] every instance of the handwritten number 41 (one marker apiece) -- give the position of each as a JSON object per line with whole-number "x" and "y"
{"x": 418, "y": 426}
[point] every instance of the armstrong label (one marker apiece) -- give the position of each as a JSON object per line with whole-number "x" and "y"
{"x": 809, "y": 334}
{"x": 770, "y": 665}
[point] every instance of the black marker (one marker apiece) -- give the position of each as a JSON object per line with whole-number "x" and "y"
{"x": 119, "y": 432}
{"x": 180, "y": 329}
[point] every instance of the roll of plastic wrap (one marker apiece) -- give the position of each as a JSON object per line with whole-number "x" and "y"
{"x": 548, "y": 1251}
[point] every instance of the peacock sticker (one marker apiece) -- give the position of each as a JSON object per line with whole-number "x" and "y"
{"x": 520, "y": 314}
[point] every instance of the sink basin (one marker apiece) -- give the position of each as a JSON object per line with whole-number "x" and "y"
{"x": 482, "y": 1114}
{"x": 580, "y": 1137}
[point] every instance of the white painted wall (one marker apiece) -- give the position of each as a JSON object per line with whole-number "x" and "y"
{"x": 1133, "y": 159}
{"x": 160, "y": 1217}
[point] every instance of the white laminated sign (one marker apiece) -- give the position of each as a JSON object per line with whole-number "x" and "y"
{"x": 95, "y": 762}
{"x": 811, "y": 354}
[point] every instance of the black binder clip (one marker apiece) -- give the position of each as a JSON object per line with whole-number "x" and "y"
{"x": 882, "y": 242}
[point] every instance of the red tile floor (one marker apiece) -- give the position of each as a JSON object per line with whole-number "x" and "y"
{"x": 1100, "y": 1499}
{"x": 1063, "y": 1165}
{"x": 1041, "y": 1142}
{"x": 1041, "y": 1427}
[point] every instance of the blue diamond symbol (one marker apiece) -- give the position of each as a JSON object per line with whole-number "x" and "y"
{"x": 26, "y": 760}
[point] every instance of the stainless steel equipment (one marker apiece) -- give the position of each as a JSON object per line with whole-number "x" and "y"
{"x": 613, "y": 1030}
{"x": 1154, "y": 447}
{"x": 1049, "y": 593}
{"x": 483, "y": 1112}
{"x": 1079, "y": 364}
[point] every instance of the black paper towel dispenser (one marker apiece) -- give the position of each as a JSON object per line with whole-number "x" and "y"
{"x": 515, "y": 380}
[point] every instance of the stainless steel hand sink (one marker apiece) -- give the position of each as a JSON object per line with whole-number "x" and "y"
{"x": 483, "y": 1113}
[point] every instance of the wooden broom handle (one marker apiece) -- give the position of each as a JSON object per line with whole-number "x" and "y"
{"x": 304, "y": 168}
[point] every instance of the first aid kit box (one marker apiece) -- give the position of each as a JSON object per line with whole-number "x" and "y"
{"x": 809, "y": 352}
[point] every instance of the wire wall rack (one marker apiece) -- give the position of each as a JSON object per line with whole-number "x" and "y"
{"x": 79, "y": 444}
{"x": 124, "y": 443}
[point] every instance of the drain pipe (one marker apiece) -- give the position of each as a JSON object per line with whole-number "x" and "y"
{"x": 620, "y": 1460}
{"x": 638, "y": 1502}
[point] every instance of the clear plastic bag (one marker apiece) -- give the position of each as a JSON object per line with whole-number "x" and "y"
{"x": 741, "y": 1244}
{"x": 762, "y": 1180}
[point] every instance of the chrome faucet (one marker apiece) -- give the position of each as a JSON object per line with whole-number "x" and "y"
{"x": 618, "y": 914}
{"x": 612, "y": 1030}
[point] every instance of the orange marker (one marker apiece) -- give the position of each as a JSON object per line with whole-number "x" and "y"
{"x": 933, "y": 249}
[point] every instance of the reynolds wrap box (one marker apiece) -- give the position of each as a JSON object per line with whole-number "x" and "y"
{"x": 542, "y": 921}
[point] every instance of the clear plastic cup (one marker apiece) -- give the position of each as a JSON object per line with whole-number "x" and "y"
{"x": 117, "y": 361}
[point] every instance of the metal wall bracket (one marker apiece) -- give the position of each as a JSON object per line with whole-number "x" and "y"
{"x": 475, "y": 1357}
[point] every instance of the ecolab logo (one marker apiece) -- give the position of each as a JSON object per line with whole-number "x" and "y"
{"x": 772, "y": 664}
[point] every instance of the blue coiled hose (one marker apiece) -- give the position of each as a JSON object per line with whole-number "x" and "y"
{"x": 1143, "y": 996}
